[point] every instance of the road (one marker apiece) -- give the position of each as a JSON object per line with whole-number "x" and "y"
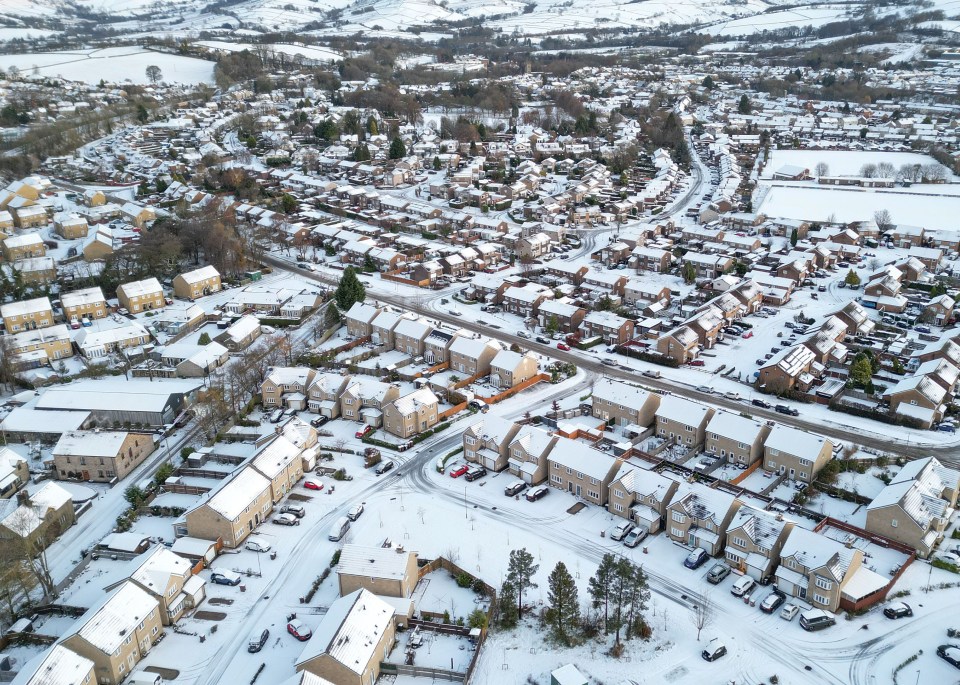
{"x": 590, "y": 362}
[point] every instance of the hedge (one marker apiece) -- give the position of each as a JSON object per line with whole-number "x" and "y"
{"x": 644, "y": 355}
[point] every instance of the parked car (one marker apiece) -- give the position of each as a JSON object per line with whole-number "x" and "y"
{"x": 257, "y": 640}
{"x": 459, "y": 471}
{"x": 363, "y": 432}
{"x": 319, "y": 421}
{"x": 543, "y": 341}
{"x": 718, "y": 573}
{"x": 816, "y": 619}
{"x": 523, "y": 334}
{"x": 299, "y": 630}
{"x": 286, "y": 520}
{"x": 514, "y": 488}
{"x": 537, "y": 493}
{"x": 743, "y": 585}
{"x": 705, "y": 389}
{"x": 714, "y": 650}
{"x": 697, "y": 362}
{"x": 257, "y": 545}
{"x": 772, "y": 601}
{"x": 950, "y": 654}
{"x": 294, "y": 509}
{"x": 338, "y": 529}
{"x": 789, "y": 611}
{"x": 760, "y": 403}
{"x": 697, "y": 558}
{"x": 475, "y": 473}
{"x": 384, "y": 466}
{"x": 313, "y": 484}
{"x": 636, "y": 536}
{"x": 620, "y": 531}
{"x": 355, "y": 512}
{"x": 563, "y": 346}
{"x": 784, "y": 409}
{"x": 225, "y": 577}
{"x": 730, "y": 395}
{"x": 898, "y": 610}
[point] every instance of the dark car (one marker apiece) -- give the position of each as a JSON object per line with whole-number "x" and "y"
{"x": 760, "y": 403}
{"x": 384, "y": 467}
{"x": 319, "y": 421}
{"x": 475, "y": 473}
{"x": 696, "y": 558}
{"x": 257, "y": 640}
{"x": 784, "y": 409}
{"x": 950, "y": 654}
{"x": 537, "y": 493}
{"x": 542, "y": 340}
{"x": 772, "y": 601}
{"x": 715, "y": 649}
{"x": 898, "y": 610}
{"x": 225, "y": 578}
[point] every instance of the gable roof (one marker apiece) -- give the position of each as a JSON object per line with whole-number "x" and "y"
{"x": 350, "y": 631}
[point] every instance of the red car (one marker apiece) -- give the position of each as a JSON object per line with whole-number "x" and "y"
{"x": 364, "y": 431}
{"x": 299, "y": 630}
{"x": 313, "y": 484}
{"x": 748, "y": 334}
{"x": 459, "y": 471}
{"x": 563, "y": 346}
{"x": 697, "y": 362}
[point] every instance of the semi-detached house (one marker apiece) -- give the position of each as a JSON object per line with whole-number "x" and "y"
{"x": 815, "y": 568}
{"x": 232, "y": 511}
{"x": 487, "y": 442}
{"x": 737, "y": 438}
{"x": 699, "y": 516}
{"x": 581, "y": 470}
{"x": 641, "y": 496}
{"x": 754, "y": 541}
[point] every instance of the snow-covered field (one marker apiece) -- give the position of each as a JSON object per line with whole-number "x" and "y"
{"x": 113, "y": 65}
{"x": 841, "y": 162}
{"x": 313, "y": 52}
{"x": 770, "y": 21}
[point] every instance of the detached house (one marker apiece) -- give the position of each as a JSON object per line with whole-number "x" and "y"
{"x": 88, "y": 303}
{"x": 755, "y": 539}
{"x": 197, "y": 283}
{"x": 487, "y": 442}
{"x": 364, "y": 399}
{"x": 796, "y": 453}
{"x": 27, "y": 315}
{"x": 918, "y": 398}
{"x": 286, "y": 386}
{"x": 737, "y": 438}
{"x": 699, "y": 516}
{"x": 641, "y": 496}
{"x": 916, "y": 507}
{"x": 100, "y": 456}
{"x": 412, "y": 414}
{"x": 509, "y": 369}
{"x": 141, "y": 296}
{"x": 814, "y": 568}
{"x": 581, "y": 470}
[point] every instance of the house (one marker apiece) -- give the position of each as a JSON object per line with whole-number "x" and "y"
{"x": 411, "y": 414}
{"x": 581, "y": 470}
{"x": 32, "y": 216}
{"x": 353, "y": 638}
{"x": 614, "y": 329}
{"x": 364, "y": 398}
{"x": 699, "y": 516}
{"x": 560, "y": 315}
{"x": 814, "y": 568}
{"x": 27, "y": 315}
{"x": 287, "y": 387}
{"x": 35, "y": 270}
{"x": 70, "y": 227}
{"x": 384, "y": 571}
{"x": 59, "y": 666}
{"x": 141, "y": 296}
{"x": 41, "y": 346}
{"x": 100, "y": 456}
{"x": 117, "y": 633}
{"x": 939, "y": 310}
{"x": 915, "y": 508}
{"x": 241, "y": 333}
{"x": 787, "y": 370}
{"x": 193, "y": 360}
{"x": 652, "y": 259}
{"x": 232, "y": 510}
{"x": 197, "y": 283}
{"x": 14, "y": 472}
{"x": 39, "y": 514}
{"x": 487, "y": 442}
{"x": 918, "y": 398}
{"x": 24, "y": 246}
{"x": 279, "y": 461}
{"x": 138, "y": 215}
{"x": 857, "y": 320}
{"x": 754, "y": 541}
{"x": 382, "y": 328}
{"x": 409, "y": 335}
{"x": 528, "y": 454}
{"x": 683, "y": 421}
{"x": 509, "y": 369}
{"x": 436, "y": 346}
{"x": 796, "y": 453}
{"x": 682, "y": 344}
{"x": 736, "y": 438}
{"x": 623, "y": 404}
{"x": 472, "y": 356}
{"x": 169, "y": 579}
{"x": 104, "y": 337}
{"x": 359, "y": 319}
{"x": 525, "y": 301}
{"x": 323, "y": 395}
{"x": 88, "y": 303}
{"x": 641, "y": 496}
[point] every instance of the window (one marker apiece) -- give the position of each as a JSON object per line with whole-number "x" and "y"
{"x": 677, "y": 533}
{"x": 471, "y": 441}
{"x": 742, "y": 446}
{"x": 556, "y": 479}
{"x": 893, "y": 523}
{"x": 593, "y": 495}
{"x": 820, "y": 599}
{"x": 569, "y": 470}
{"x": 774, "y": 453}
{"x": 792, "y": 563}
{"x": 618, "y": 508}
{"x": 823, "y": 583}
{"x": 618, "y": 493}
{"x": 678, "y": 517}
{"x": 739, "y": 542}
{"x": 689, "y": 429}
{"x": 771, "y": 464}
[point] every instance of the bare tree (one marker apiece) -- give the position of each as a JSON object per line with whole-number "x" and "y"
{"x": 883, "y": 220}
{"x": 702, "y": 616}
{"x": 822, "y": 169}
{"x": 31, "y": 536}
{"x": 934, "y": 173}
{"x": 868, "y": 171}
{"x": 886, "y": 170}
{"x": 154, "y": 74}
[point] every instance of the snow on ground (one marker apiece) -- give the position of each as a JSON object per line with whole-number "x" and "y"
{"x": 114, "y": 65}
{"x": 841, "y": 162}
{"x": 771, "y": 21}
{"x": 313, "y": 52}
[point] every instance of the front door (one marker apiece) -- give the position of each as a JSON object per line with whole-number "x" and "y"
{"x": 578, "y": 491}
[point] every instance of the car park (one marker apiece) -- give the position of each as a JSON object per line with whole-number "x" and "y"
{"x": 620, "y": 531}
{"x": 717, "y": 573}
{"x": 257, "y": 545}
{"x": 636, "y": 536}
{"x": 225, "y": 577}
{"x": 898, "y": 610}
{"x": 714, "y": 650}
{"x": 459, "y": 471}
{"x": 313, "y": 484}
{"x": 286, "y": 520}
{"x": 257, "y": 640}
{"x": 299, "y": 630}
{"x": 772, "y": 601}
{"x": 294, "y": 509}
{"x": 537, "y": 493}
{"x": 514, "y": 488}
{"x": 355, "y": 512}
{"x": 384, "y": 466}
{"x": 697, "y": 558}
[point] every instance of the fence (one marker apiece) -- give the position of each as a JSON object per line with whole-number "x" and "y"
{"x": 422, "y": 672}
{"x": 455, "y": 409}
{"x": 515, "y": 389}
{"x": 746, "y": 473}
{"x": 392, "y": 276}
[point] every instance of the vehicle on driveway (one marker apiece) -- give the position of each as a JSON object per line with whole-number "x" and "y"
{"x": 898, "y": 610}
{"x": 384, "y": 466}
{"x": 286, "y": 520}
{"x": 717, "y": 573}
{"x": 697, "y": 558}
{"x": 225, "y": 577}
{"x": 514, "y": 488}
{"x": 257, "y": 545}
{"x": 459, "y": 471}
{"x": 319, "y": 421}
{"x": 636, "y": 536}
{"x": 294, "y": 509}
{"x": 788, "y": 612}
{"x": 620, "y": 531}
{"x": 772, "y": 601}
{"x": 537, "y": 493}
{"x": 257, "y": 640}
{"x": 742, "y": 586}
{"x": 363, "y": 432}
{"x": 950, "y": 654}
{"x": 355, "y": 512}
{"x": 299, "y": 630}
{"x": 714, "y": 650}
{"x": 475, "y": 473}
{"x": 313, "y": 484}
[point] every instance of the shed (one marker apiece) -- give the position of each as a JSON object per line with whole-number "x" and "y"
{"x": 567, "y": 675}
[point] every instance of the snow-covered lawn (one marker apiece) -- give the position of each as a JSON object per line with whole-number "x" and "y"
{"x": 841, "y": 162}
{"x": 113, "y": 65}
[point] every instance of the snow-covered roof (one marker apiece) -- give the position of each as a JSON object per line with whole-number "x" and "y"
{"x": 201, "y": 274}
{"x": 625, "y": 394}
{"x": 581, "y": 458}
{"x": 112, "y": 394}
{"x": 682, "y": 410}
{"x": 153, "y": 568}
{"x": 90, "y": 443}
{"x": 11, "y": 309}
{"x": 59, "y": 666}
{"x": 794, "y": 441}
{"x": 703, "y": 503}
{"x": 275, "y": 457}
{"x": 147, "y": 286}
{"x": 78, "y": 298}
{"x": 734, "y": 427}
{"x": 290, "y": 375}
{"x": 107, "y": 624}
{"x": 814, "y": 551}
{"x": 350, "y": 631}
{"x": 236, "y": 493}
{"x": 411, "y": 403}
{"x": 372, "y": 562}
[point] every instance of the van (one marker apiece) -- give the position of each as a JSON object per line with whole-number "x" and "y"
{"x": 816, "y": 619}
{"x": 257, "y": 640}
{"x": 743, "y": 585}
{"x": 339, "y": 529}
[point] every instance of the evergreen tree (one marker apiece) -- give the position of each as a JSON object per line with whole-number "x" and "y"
{"x": 553, "y": 324}
{"x": 397, "y": 149}
{"x": 372, "y": 127}
{"x": 520, "y": 573}
{"x": 599, "y": 586}
{"x": 852, "y": 278}
{"x": 204, "y": 339}
{"x": 708, "y": 82}
{"x": 349, "y": 291}
{"x": 437, "y": 164}
{"x": 331, "y": 317}
{"x": 744, "y": 106}
{"x": 361, "y": 153}
{"x": 689, "y": 273}
{"x": 508, "y": 605}
{"x": 564, "y": 611}
{"x": 794, "y": 237}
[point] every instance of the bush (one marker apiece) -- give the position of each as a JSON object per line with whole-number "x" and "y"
{"x": 464, "y": 579}
{"x": 339, "y": 474}
{"x": 335, "y": 559}
{"x": 945, "y": 565}
{"x": 477, "y": 619}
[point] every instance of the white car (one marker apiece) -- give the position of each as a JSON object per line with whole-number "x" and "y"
{"x": 523, "y": 334}
{"x": 257, "y": 545}
{"x": 789, "y": 611}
